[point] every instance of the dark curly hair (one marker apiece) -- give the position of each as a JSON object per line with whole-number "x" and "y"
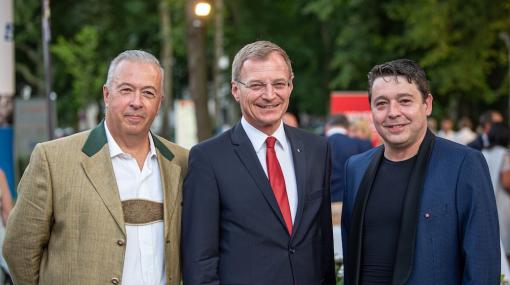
{"x": 400, "y": 67}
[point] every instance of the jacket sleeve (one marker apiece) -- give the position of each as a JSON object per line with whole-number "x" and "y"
{"x": 29, "y": 224}
{"x": 478, "y": 222}
{"x": 200, "y": 222}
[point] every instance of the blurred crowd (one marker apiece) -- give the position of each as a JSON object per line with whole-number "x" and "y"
{"x": 464, "y": 133}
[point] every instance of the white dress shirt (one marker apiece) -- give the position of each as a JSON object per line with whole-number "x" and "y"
{"x": 336, "y": 130}
{"x": 284, "y": 155}
{"x": 144, "y": 261}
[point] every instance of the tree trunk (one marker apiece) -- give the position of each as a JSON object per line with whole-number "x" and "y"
{"x": 197, "y": 71}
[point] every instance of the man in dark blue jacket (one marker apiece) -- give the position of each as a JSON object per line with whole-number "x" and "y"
{"x": 419, "y": 209}
{"x": 256, "y": 199}
{"x": 342, "y": 147}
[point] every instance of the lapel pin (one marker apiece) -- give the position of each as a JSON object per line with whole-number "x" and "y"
{"x": 298, "y": 150}
{"x": 427, "y": 215}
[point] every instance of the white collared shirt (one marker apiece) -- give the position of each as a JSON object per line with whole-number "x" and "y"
{"x": 336, "y": 130}
{"x": 284, "y": 155}
{"x": 144, "y": 261}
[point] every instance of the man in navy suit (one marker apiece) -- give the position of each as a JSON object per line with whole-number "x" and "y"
{"x": 486, "y": 120}
{"x": 342, "y": 147}
{"x": 256, "y": 201}
{"x": 418, "y": 209}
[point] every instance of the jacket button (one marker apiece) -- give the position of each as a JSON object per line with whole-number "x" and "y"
{"x": 291, "y": 250}
{"x": 120, "y": 242}
{"x": 115, "y": 280}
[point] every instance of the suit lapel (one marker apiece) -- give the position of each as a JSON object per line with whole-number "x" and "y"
{"x": 299, "y": 159}
{"x": 404, "y": 257}
{"x": 244, "y": 150}
{"x": 99, "y": 170}
{"x": 170, "y": 174}
{"x": 353, "y": 259}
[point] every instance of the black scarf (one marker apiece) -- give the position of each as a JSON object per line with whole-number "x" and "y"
{"x": 404, "y": 257}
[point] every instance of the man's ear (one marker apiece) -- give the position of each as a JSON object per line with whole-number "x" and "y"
{"x": 106, "y": 94}
{"x": 235, "y": 90}
{"x": 428, "y": 102}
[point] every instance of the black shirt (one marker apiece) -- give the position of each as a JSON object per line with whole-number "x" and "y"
{"x": 382, "y": 221}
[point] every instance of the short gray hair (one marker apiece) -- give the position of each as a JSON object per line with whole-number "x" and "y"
{"x": 134, "y": 56}
{"x": 259, "y": 50}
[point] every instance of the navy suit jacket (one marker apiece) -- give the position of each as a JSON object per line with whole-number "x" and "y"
{"x": 477, "y": 143}
{"x": 457, "y": 238}
{"x": 342, "y": 147}
{"x": 232, "y": 229}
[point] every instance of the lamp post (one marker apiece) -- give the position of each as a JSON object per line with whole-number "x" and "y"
{"x": 220, "y": 64}
{"x": 504, "y": 36}
{"x": 50, "y": 95}
{"x": 167, "y": 63}
{"x": 196, "y": 11}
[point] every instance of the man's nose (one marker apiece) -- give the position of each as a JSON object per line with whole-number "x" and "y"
{"x": 394, "y": 109}
{"x": 136, "y": 99}
{"x": 269, "y": 91}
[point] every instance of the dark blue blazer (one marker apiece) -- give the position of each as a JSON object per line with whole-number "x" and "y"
{"x": 232, "y": 229}
{"x": 342, "y": 147}
{"x": 457, "y": 238}
{"x": 477, "y": 143}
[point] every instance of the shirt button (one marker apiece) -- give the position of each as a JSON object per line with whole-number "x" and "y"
{"x": 120, "y": 242}
{"x": 115, "y": 280}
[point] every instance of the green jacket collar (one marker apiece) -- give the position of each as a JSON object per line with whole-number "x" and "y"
{"x": 97, "y": 139}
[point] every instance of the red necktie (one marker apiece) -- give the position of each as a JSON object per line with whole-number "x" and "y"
{"x": 275, "y": 174}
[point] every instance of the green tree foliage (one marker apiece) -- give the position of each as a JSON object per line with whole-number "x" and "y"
{"x": 332, "y": 43}
{"x": 357, "y": 30}
{"x": 80, "y": 61}
{"x": 27, "y": 37}
{"x": 455, "y": 41}
{"x": 285, "y": 23}
{"x": 86, "y": 35}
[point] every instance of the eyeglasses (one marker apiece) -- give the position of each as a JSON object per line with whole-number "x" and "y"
{"x": 258, "y": 86}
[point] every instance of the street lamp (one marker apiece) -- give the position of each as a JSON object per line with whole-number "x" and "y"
{"x": 202, "y": 9}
